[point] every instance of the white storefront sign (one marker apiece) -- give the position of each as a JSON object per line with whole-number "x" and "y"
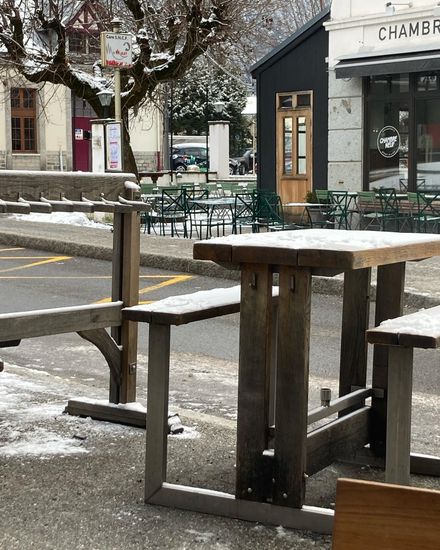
{"x": 358, "y": 29}
{"x": 117, "y": 50}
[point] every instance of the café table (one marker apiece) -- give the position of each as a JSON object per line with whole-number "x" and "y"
{"x": 274, "y": 461}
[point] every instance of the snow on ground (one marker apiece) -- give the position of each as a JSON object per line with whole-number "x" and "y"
{"x": 70, "y": 218}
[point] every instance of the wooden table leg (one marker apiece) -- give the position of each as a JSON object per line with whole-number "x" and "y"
{"x": 389, "y": 304}
{"x": 157, "y": 408}
{"x": 355, "y": 317}
{"x": 398, "y": 453}
{"x": 253, "y": 380}
{"x": 292, "y": 381}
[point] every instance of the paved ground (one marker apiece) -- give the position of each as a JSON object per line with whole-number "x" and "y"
{"x": 75, "y": 483}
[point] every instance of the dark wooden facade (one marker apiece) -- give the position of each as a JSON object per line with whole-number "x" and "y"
{"x": 298, "y": 64}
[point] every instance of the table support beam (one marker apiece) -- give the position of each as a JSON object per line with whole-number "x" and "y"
{"x": 389, "y": 304}
{"x": 355, "y": 317}
{"x": 292, "y": 381}
{"x": 253, "y": 381}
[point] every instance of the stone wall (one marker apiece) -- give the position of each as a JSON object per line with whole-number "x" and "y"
{"x": 146, "y": 161}
{"x": 345, "y": 133}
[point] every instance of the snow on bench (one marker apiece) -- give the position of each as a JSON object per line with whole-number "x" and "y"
{"x": 416, "y": 330}
{"x": 187, "y": 308}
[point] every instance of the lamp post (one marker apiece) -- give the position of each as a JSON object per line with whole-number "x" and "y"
{"x": 105, "y": 98}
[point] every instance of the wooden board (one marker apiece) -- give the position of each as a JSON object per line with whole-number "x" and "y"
{"x": 31, "y": 324}
{"x": 340, "y": 250}
{"x": 52, "y": 184}
{"x": 396, "y": 333}
{"x": 373, "y": 515}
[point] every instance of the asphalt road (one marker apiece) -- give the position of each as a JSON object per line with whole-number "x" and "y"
{"x": 205, "y": 351}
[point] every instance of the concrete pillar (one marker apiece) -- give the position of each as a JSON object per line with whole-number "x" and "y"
{"x": 219, "y": 148}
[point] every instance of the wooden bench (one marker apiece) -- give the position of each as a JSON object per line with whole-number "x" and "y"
{"x": 402, "y": 335}
{"x": 161, "y": 315}
{"x": 370, "y": 515}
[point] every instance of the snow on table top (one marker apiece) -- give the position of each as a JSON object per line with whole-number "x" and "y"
{"x": 325, "y": 239}
{"x": 204, "y": 299}
{"x": 424, "y": 323}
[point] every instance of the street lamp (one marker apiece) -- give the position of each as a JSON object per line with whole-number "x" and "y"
{"x": 219, "y": 107}
{"x": 105, "y": 98}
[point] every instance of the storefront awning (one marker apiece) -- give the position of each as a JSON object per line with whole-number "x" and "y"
{"x": 388, "y": 64}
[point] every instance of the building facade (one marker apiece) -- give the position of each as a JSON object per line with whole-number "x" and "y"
{"x": 46, "y": 127}
{"x": 382, "y": 65}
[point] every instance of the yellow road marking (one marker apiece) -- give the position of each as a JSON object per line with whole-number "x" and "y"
{"x": 34, "y": 264}
{"x": 10, "y": 249}
{"x": 171, "y": 281}
{"x": 24, "y": 257}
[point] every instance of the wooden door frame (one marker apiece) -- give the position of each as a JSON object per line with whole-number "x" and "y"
{"x": 294, "y": 112}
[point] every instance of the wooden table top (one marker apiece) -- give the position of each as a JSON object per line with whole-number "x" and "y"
{"x": 338, "y": 250}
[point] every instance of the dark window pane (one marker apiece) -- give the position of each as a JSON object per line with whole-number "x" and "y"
{"x": 389, "y": 84}
{"x": 427, "y": 82}
{"x": 428, "y": 144}
{"x": 15, "y": 98}
{"x": 94, "y": 44}
{"x": 29, "y": 134}
{"x": 303, "y": 100}
{"x": 77, "y": 42}
{"x": 28, "y": 98}
{"x": 16, "y": 140}
{"x": 286, "y": 102}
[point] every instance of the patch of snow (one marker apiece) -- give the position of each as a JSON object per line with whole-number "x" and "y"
{"x": 40, "y": 442}
{"x": 70, "y": 218}
{"x": 423, "y": 322}
{"x": 323, "y": 239}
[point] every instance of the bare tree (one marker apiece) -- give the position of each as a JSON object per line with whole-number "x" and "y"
{"x": 169, "y": 35}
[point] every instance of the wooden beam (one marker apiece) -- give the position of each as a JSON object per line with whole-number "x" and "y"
{"x": 205, "y": 501}
{"x": 109, "y": 349}
{"x": 45, "y": 322}
{"x": 108, "y": 413}
{"x": 253, "y": 380}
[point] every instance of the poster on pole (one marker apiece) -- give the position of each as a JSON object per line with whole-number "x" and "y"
{"x": 117, "y": 50}
{"x": 98, "y": 147}
{"x": 113, "y": 142}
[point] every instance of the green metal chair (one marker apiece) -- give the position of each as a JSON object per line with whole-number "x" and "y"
{"x": 426, "y": 213}
{"x": 393, "y": 219}
{"x": 369, "y": 210}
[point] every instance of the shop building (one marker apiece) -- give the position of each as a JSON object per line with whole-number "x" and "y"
{"x": 381, "y": 64}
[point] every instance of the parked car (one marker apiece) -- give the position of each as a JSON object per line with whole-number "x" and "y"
{"x": 186, "y": 154}
{"x": 246, "y": 162}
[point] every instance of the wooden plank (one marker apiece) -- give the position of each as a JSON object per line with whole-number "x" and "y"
{"x": 211, "y": 250}
{"x": 292, "y": 381}
{"x": 115, "y": 389}
{"x": 390, "y": 517}
{"x": 253, "y": 380}
{"x": 398, "y": 444}
{"x": 205, "y": 501}
{"x": 130, "y": 297}
{"x": 389, "y": 304}
{"x": 338, "y": 440}
{"x": 29, "y": 184}
{"x": 395, "y": 331}
{"x": 45, "y": 322}
{"x": 355, "y": 317}
{"x": 157, "y": 408}
{"x": 356, "y": 398}
{"x": 107, "y": 413}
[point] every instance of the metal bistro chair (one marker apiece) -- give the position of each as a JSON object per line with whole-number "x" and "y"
{"x": 269, "y": 212}
{"x": 169, "y": 211}
{"x": 201, "y": 216}
{"x": 393, "y": 219}
{"x": 427, "y": 211}
{"x": 244, "y": 212}
{"x": 369, "y": 210}
{"x": 340, "y": 211}
{"x": 323, "y": 198}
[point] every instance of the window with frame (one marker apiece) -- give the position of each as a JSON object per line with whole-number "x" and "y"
{"x": 23, "y": 120}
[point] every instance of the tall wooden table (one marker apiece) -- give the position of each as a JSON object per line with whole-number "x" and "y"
{"x": 273, "y": 463}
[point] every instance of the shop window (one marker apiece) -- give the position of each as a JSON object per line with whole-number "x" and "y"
{"x": 23, "y": 120}
{"x": 301, "y": 141}
{"x": 287, "y": 142}
{"x": 403, "y": 132}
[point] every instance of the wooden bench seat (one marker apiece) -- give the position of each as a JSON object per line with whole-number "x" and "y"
{"x": 370, "y": 515}
{"x": 402, "y": 335}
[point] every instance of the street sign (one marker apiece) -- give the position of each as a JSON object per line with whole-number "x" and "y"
{"x": 116, "y": 50}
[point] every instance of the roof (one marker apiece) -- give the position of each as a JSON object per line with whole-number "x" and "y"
{"x": 291, "y": 42}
